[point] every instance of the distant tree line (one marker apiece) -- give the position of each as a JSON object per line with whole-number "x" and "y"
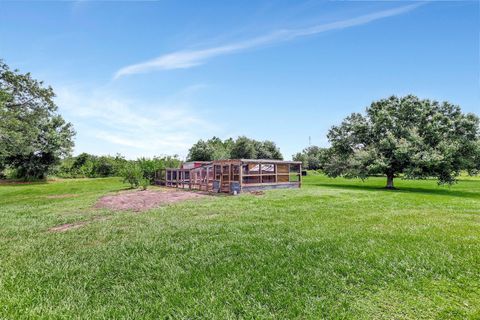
{"x": 312, "y": 158}
{"x": 136, "y": 172}
{"x": 241, "y": 148}
{"x": 91, "y": 166}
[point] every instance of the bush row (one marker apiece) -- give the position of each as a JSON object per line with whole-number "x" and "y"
{"x": 136, "y": 172}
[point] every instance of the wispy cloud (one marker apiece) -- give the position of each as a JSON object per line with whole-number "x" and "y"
{"x": 132, "y": 127}
{"x": 190, "y": 58}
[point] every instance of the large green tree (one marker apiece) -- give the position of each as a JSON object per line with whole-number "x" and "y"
{"x": 267, "y": 150}
{"x": 406, "y": 135}
{"x": 201, "y": 151}
{"x": 242, "y": 147}
{"x": 33, "y": 136}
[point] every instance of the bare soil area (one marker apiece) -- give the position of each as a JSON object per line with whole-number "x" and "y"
{"x": 145, "y": 200}
{"x": 67, "y": 226}
{"x": 75, "y": 225}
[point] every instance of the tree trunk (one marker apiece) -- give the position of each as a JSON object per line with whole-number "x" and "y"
{"x": 390, "y": 181}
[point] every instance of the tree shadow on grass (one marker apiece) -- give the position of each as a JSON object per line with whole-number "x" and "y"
{"x": 406, "y": 190}
{"x": 11, "y": 183}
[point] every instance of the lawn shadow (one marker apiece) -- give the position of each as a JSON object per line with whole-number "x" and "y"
{"x": 439, "y": 192}
{"x": 9, "y": 183}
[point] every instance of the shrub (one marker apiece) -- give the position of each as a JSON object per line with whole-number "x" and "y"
{"x": 103, "y": 167}
{"x": 132, "y": 174}
{"x": 144, "y": 183}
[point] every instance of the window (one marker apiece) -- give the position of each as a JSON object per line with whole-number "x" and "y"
{"x": 226, "y": 173}
{"x": 295, "y": 173}
{"x": 268, "y": 179}
{"x": 218, "y": 172}
{"x": 235, "y": 172}
{"x": 268, "y": 168}
{"x": 294, "y": 177}
{"x": 251, "y": 168}
{"x": 295, "y": 168}
{"x": 251, "y": 179}
{"x": 210, "y": 173}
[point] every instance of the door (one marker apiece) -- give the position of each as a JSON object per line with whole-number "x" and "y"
{"x": 225, "y": 183}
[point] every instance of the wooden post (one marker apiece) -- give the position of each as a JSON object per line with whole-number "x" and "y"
{"x": 276, "y": 172}
{"x": 260, "y": 172}
{"x": 240, "y": 175}
{"x": 300, "y": 176}
{"x": 206, "y": 178}
{"x": 190, "y": 179}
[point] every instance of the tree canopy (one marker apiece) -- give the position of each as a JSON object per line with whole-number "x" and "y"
{"x": 405, "y": 135}
{"x": 33, "y": 136}
{"x": 242, "y": 147}
{"x": 313, "y": 157}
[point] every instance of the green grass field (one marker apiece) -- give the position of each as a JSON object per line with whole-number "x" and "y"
{"x": 338, "y": 249}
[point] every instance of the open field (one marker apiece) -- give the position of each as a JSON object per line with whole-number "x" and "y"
{"x": 335, "y": 249}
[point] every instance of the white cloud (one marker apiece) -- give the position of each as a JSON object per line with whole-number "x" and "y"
{"x": 131, "y": 127}
{"x": 190, "y": 58}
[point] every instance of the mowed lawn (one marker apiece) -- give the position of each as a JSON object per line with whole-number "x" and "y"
{"x": 341, "y": 249}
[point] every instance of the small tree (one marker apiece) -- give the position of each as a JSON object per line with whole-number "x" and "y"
{"x": 132, "y": 173}
{"x": 150, "y": 167}
{"x": 409, "y": 136}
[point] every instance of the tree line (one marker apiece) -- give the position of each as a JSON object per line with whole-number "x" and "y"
{"x": 241, "y": 148}
{"x": 91, "y": 166}
{"x": 398, "y": 136}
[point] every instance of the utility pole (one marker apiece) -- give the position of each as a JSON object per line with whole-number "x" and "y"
{"x": 309, "y": 141}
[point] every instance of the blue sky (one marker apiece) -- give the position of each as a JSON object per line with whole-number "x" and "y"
{"x": 151, "y": 78}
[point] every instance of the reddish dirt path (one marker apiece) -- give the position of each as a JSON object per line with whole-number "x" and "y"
{"x": 145, "y": 200}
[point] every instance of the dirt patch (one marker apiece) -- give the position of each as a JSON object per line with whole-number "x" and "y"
{"x": 75, "y": 225}
{"x": 61, "y": 196}
{"x": 257, "y": 193}
{"x": 145, "y": 200}
{"x": 67, "y": 226}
